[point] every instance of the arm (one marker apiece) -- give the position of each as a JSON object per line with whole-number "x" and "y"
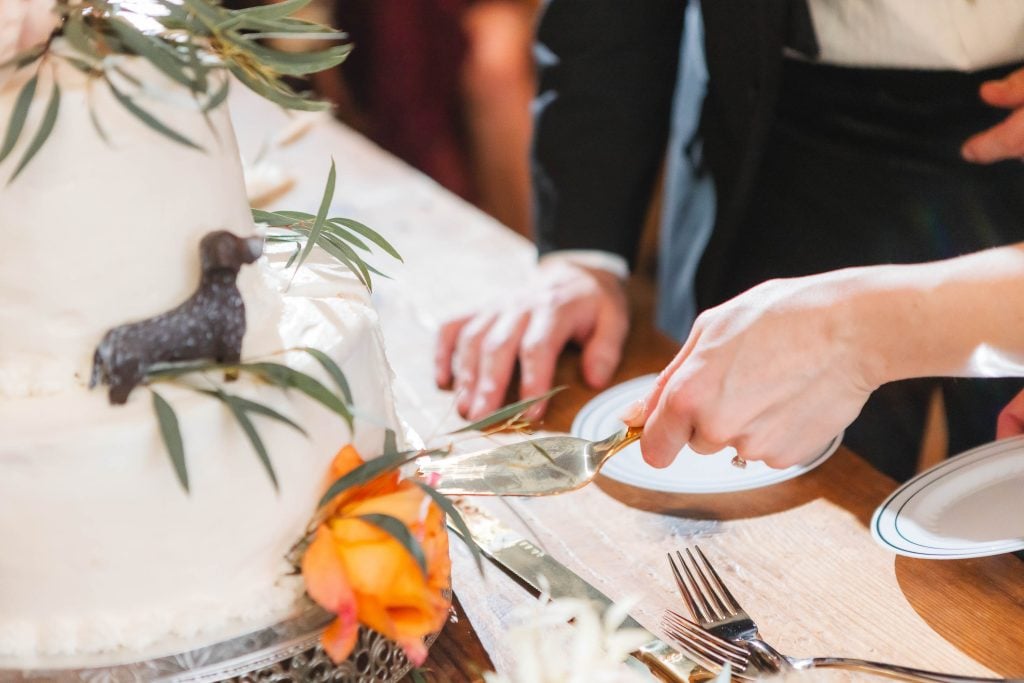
{"x": 781, "y": 369}
{"x": 607, "y": 77}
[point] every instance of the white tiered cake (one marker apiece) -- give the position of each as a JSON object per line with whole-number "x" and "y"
{"x": 103, "y": 555}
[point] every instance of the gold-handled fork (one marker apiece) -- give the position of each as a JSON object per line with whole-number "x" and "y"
{"x": 717, "y": 611}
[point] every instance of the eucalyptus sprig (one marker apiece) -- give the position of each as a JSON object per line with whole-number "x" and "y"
{"x": 343, "y": 238}
{"x": 242, "y": 409}
{"x": 192, "y": 42}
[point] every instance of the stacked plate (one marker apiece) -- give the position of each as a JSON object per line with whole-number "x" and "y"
{"x": 971, "y": 505}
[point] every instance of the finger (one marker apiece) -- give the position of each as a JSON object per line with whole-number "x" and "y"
{"x": 665, "y": 375}
{"x": 446, "y": 340}
{"x": 701, "y": 445}
{"x": 667, "y": 430}
{"x": 602, "y": 351}
{"x": 1005, "y": 92}
{"x": 467, "y": 361}
{"x": 497, "y": 361}
{"x": 1011, "y": 418}
{"x": 1002, "y": 141}
{"x": 542, "y": 342}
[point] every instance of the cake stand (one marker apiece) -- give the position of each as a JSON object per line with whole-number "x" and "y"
{"x": 287, "y": 652}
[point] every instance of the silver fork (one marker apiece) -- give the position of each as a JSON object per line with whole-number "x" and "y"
{"x": 715, "y": 609}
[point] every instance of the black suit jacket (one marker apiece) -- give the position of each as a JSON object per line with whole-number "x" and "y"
{"x": 607, "y": 76}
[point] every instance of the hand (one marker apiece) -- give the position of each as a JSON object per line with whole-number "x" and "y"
{"x": 565, "y": 303}
{"x": 1005, "y": 140}
{"x": 776, "y": 372}
{"x": 1011, "y": 418}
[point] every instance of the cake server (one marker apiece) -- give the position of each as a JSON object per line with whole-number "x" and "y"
{"x": 539, "y": 573}
{"x": 535, "y": 467}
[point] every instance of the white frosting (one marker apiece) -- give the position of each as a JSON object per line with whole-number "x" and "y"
{"x": 97, "y": 234}
{"x": 102, "y": 550}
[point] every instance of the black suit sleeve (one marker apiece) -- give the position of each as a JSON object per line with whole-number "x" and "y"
{"x": 607, "y": 74}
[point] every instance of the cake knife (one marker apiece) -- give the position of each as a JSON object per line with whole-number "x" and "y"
{"x": 539, "y": 572}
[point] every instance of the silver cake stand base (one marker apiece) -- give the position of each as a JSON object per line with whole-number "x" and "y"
{"x": 287, "y": 652}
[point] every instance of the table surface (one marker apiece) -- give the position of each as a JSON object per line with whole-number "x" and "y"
{"x": 798, "y": 555}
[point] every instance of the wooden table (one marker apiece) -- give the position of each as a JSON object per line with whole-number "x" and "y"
{"x": 797, "y": 554}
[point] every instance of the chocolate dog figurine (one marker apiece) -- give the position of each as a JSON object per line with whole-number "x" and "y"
{"x": 209, "y": 325}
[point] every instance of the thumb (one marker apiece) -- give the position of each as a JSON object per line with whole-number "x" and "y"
{"x": 602, "y": 351}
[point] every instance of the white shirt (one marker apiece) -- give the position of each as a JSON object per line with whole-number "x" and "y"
{"x": 961, "y": 35}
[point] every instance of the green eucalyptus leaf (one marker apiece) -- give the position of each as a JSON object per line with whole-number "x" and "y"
{"x": 400, "y": 532}
{"x": 160, "y": 371}
{"x": 370, "y": 234}
{"x": 295, "y": 255}
{"x": 45, "y": 128}
{"x": 321, "y": 215}
{"x": 346, "y": 236}
{"x": 333, "y": 370}
{"x": 351, "y": 256}
{"x": 23, "y": 59}
{"x": 288, "y": 378}
{"x": 253, "y": 407}
{"x": 271, "y": 218}
{"x": 300, "y": 215}
{"x": 456, "y": 518}
{"x": 274, "y": 10}
{"x": 97, "y": 125}
{"x": 509, "y": 412}
{"x": 276, "y": 92}
{"x": 18, "y": 116}
{"x": 155, "y": 51}
{"x": 333, "y": 247}
{"x": 298, "y": 63}
{"x": 149, "y": 119}
{"x": 77, "y": 34}
{"x": 390, "y": 442}
{"x": 171, "y": 434}
{"x": 218, "y": 97}
{"x": 238, "y": 410}
{"x": 368, "y": 471}
{"x": 209, "y": 14}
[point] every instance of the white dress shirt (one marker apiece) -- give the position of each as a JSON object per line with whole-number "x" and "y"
{"x": 960, "y": 35}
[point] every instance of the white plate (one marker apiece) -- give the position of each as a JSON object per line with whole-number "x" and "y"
{"x": 690, "y": 472}
{"x": 971, "y": 505}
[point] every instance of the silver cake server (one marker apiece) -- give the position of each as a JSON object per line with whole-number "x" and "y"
{"x": 536, "y": 467}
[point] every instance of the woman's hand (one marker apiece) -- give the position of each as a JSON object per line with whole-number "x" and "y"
{"x": 777, "y": 373}
{"x": 1011, "y": 418}
{"x": 1004, "y": 140}
{"x": 566, "y": 302}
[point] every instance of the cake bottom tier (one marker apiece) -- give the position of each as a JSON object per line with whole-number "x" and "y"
{"x": 105, "y": 557}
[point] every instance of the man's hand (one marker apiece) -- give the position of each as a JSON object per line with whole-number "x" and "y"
{"x": 566, "y": 302}
{"x": 777, "y": 373}
{"x": 1005, "y": 140}
{"x": 1011, "y": 418}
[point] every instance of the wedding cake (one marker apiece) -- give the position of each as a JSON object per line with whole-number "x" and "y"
{"x": 104, "y": 554}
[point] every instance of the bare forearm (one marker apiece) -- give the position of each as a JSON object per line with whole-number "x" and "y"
{"x": 959, "y": 317}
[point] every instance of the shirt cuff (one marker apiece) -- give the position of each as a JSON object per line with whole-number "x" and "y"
{"x": 591, "y": 258}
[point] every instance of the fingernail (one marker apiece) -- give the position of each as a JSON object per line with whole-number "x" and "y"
{"x": 603, "y": 371}
{"x": 634, "y": 413}
{"x": 479, "y": 408}
{"x": 968, "y": 153}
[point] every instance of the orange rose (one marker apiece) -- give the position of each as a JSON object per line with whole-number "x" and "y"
{"x": 361, "y": 573}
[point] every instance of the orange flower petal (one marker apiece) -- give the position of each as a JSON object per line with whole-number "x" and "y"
{"x": 340, "y": 638}
{"x": 326, "y": 580}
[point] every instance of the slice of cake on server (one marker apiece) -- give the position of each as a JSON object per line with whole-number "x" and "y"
{"x": 127, "y": 249}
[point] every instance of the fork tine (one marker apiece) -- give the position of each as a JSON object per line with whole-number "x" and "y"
{"x": 736, "y": 654}
{"x": 709, "y": 591}
{"x": 685, "y": 592}
{"x": 708, "y": 614}
{"x": 693, "y": 641}
{"x": 734, "y": 605}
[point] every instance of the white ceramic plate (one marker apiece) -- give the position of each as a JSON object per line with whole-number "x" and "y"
{"x": 971, "y": 505}
{"x": 690, "y": 472}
